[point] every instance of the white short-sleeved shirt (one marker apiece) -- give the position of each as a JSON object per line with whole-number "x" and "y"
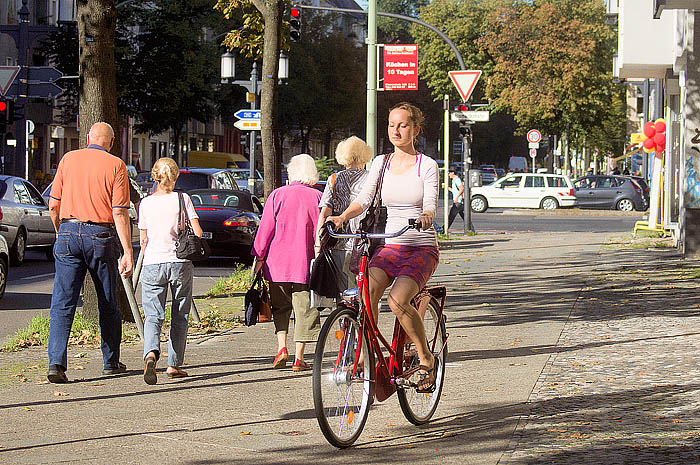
{"x": 158, "y": 214}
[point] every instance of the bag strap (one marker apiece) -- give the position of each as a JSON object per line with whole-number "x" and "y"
{"x": 380, "y": 182}
{"x": 184, "y": 216}
{"x": 333, "y": 197}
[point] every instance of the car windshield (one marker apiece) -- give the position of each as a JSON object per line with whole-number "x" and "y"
{"x": 144, "y": 177}
{"x": 240, "y": 174}
{"x": 220, "y": 198}
{"x": 188, "y": 181}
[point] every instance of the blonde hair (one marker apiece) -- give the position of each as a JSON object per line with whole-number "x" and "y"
{"x": 302, "y": 169}
{"x": 353, "y": 151}
{"x": 165, "y": 172}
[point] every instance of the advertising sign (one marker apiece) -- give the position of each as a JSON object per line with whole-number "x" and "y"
{"x": 400, "y": 67}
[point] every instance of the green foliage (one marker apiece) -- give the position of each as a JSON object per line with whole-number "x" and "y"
{"x": 37, "y": 332}
{"x": 325, "y": 167}
{"x": 240, "y": 280}
{"x": 392, "y": 30}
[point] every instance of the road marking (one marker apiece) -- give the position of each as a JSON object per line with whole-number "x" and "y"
{"x": 45, "y": 275}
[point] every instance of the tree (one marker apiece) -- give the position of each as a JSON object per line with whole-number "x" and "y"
{"x": 175, "y": 76}
{"x": 266, "y": 24}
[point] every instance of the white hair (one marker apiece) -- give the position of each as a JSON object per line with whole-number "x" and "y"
{"x": 302, "y": 169}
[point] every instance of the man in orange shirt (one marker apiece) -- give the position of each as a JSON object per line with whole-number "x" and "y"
{"x": 89, "y": 206}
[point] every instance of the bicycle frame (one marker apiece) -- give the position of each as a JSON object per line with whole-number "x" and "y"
{"x": 389, "y": 368}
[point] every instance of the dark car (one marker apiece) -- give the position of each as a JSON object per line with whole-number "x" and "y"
{"x": 24, "y": 218}
{"x": 145, "y": 181}
{"x": 241, "y": 176}
{"x": 229, "y": 220}
{"x": 609, "y": 192}
{"x": 204, "y": 178}
{"x": 644, "y": 185}
{"x": 488, "y": 174}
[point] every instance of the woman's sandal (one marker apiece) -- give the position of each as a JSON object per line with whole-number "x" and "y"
{"x": 178, "y": 373}
{"x": 149, "y": 370}
{"x": 427, "y": 378}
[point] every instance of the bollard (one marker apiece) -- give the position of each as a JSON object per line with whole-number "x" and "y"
{"x": 194, "y": 312}
{"x": 137, "y": 271}
{"x": 132, "y": 303}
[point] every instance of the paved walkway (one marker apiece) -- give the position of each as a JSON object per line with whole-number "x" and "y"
{"x": 560, "y": 351}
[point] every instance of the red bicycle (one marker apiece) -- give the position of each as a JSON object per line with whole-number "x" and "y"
{"x": 351, "y": 369}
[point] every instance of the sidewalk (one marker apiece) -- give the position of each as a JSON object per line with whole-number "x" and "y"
{"x": 561, "y": 350}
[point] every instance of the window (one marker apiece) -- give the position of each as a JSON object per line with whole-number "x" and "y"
{"x": 554, "y": 181}
{"x": 606, "y": 183}
{"x": 534, "y": 181}
{"x": 21, "y": 194}
{"x": 511, "y": 182}
{"x": 223, "y": 180}
{"x": 34, "y": 194}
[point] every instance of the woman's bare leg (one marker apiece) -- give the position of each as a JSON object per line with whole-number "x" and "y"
{"x": 400, "y": 296}
{"x": 378, "y": 282}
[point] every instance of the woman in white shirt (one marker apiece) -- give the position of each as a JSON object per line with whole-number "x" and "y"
{"x": 158, "y": 223}
{"x": 409, "y": 190}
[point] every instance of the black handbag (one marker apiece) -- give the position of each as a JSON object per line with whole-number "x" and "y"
{"x": 257, "y": 302}
{"x": 324, "y": 276}
{"x": 188, "y": 245}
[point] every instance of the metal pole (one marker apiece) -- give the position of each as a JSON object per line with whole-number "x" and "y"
{"x": 467, "y": 163}
{"x": 132, "y": 303}
{"x": 371, "y": 131}
{"x": 251, "y": 134}
{"x": 446, "y": 162}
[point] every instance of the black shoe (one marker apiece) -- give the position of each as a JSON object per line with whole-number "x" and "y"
{"x": 57, "y": 374}
{"x": 120, "y": 368}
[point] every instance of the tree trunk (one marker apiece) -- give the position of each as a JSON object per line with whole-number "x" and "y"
{"x": 272, "y": 162}
{"x": 97, "y": 92}
{"x": 327, "y": 137}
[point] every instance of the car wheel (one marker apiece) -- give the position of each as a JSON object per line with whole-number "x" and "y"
{"x": 549, "y": 203}
{"x": 479, "y": 204}
{"x": 18, "y": 248}
{"x": 3, "y": 275}
{"x": 625, "y": 205}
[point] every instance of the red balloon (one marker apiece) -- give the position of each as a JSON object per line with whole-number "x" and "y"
{"x": 660, "y": 126}
{"x": 660, "y": 148}
{"x": 649, "y": 144}
{"x": 660, "y": 139}
{"x": 649, "y": 129}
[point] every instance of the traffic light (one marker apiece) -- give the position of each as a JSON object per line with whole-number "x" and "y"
{"x": 462, "y": 107}
{"x": 295, "y": 24}
{"x": 4, "y": 115}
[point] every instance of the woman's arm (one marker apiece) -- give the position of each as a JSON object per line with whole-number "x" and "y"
{"x": 196, "y": 227}
{"x": 430, "y": 195}
{"x": 143, "y": 239}
{"x": 353, "y": 210}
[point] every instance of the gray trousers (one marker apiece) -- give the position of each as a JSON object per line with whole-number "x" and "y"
{"x": 155, "y": 281}
{"x": 288, "y": 297}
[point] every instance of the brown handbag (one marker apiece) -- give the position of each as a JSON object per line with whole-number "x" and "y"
{"x": 265, "y": 314}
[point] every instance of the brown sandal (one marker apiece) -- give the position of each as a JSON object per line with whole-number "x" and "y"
{"x": 427, "y": 378}
{"x": 178, "y": 373}
{"x": 149, "y": 370}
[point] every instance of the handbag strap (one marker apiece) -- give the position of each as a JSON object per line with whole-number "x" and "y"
{"x": 380, "y": 181}
{"x": 184, "y": 217}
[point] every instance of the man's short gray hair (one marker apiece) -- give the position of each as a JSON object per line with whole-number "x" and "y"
{"x": 302, "y": 169}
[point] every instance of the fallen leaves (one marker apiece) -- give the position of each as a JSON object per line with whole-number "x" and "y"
{"x": 58, "y": 393}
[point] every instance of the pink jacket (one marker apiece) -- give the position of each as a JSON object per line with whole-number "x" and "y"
{"x": 285, "y": 238}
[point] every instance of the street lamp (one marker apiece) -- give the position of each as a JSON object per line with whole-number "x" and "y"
{"x": 228, "y": 72}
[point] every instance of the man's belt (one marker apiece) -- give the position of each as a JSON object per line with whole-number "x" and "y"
{"x": 75, "y": 220}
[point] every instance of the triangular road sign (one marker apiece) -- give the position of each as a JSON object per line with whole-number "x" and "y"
{"x": 7, "y": 75}
{"x": 465, "y": 81}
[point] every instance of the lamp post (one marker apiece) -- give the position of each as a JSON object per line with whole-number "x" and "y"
{"x": 228, "y": 72}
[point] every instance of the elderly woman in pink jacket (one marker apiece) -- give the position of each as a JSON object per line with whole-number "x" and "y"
{"x": 284, "y": 247}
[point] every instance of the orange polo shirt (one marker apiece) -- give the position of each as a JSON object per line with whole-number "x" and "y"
{"x": 89, "y": 183}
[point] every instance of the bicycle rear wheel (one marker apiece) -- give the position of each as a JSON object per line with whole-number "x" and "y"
{"x": 418, "y": 408}
{"x": 341, "y": 398}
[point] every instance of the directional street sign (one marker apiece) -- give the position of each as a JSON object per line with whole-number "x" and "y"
{"x": 465, "y": 81}
{"x": 473, "y": 116}
{"x": 248, "y": 124}
{"x": 7, "y": 75}
{"x": 247, "y": 114}
{"x": 44, "y": 74}
{"x": 37, "y": 90}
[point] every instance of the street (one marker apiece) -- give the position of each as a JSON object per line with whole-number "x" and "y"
{"x": 29, "y": 286}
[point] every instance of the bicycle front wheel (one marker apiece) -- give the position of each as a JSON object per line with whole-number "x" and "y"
{"x": 418, "y": 408}
{"x": 341, "y": 397}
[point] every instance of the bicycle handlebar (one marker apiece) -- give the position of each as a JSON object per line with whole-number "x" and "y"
{"x": 412, "y": 224}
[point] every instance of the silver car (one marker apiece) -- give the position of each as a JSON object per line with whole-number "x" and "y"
{"x": 241, "y": 175}
{"x": 24, "y": 218}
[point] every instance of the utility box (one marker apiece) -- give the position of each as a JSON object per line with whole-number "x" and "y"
{"x": 475, "y": 178}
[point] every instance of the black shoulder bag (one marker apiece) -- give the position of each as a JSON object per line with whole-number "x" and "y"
{"x": 188, "y": 245}
{"x": 375, "y": 219}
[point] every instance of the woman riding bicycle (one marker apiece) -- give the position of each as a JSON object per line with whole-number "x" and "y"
{"x": 409, "y": 190}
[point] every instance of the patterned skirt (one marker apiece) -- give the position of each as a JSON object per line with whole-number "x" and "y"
{"x": 418, "y": 263}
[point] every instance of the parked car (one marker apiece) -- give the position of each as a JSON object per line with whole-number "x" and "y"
{"x": 609, "y": 192}
{"x": 4, "y": 265}
{"x": 521, "y": 190}
{"x": 500, "y": 172}
{"x": 145, "y": 180}
{"x": 229, "y": 220}
{"x": 488, "y": 174}
{"x": 204, "y": 178}
{"x": 644, "y": 185}
{"x": 24, "y": 218}
{"x": 517, "y": 164}
{"x": 241, "y": 176}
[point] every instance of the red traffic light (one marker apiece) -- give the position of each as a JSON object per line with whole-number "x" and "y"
{"x": 3, "y": 106}
{"x": 463, "y": 107}
{"x": 295, "y": 12}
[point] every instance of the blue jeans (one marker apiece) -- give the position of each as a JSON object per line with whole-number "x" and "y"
{"x": 82, "y": 248}
{"x": 155, "y": 280}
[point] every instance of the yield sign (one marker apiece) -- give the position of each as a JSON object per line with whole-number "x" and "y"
{"x": 7, "y": 75}
{"x": 465, "y": 81}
